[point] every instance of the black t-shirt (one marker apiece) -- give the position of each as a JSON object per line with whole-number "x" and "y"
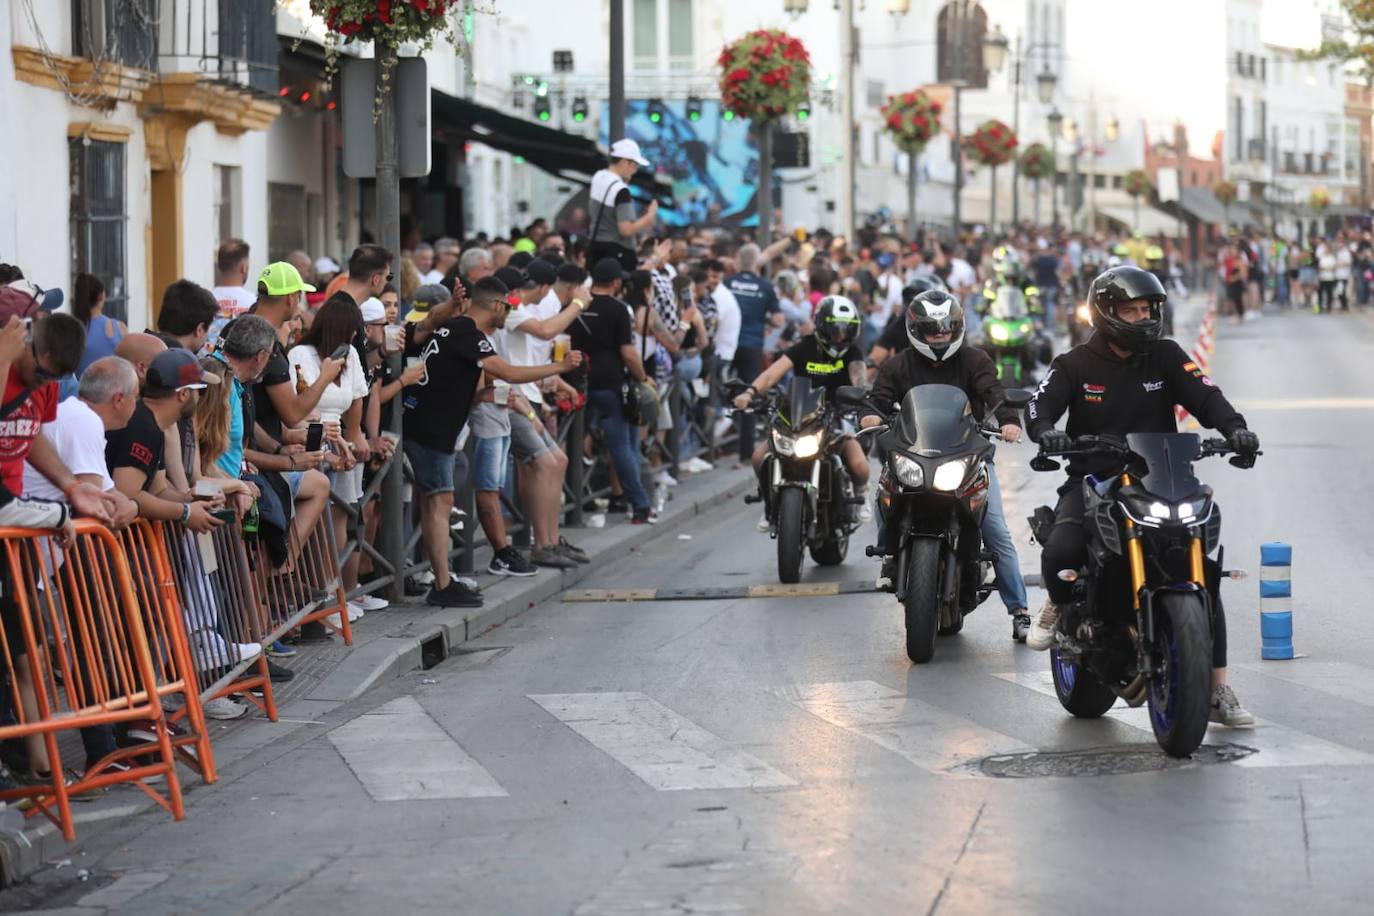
{"x": 139, "y": 445}
{"x": 824, "y": 370}
{"x": 894, "y": 339}
{"x": 278, "y": 372}
{"x": 600, "y": 332}
{"x": 437, "y": 406}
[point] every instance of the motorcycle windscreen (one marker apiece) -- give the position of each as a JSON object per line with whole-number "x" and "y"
{"x": 935, "y": 417}
{"x": 802, "y": 402}
{"x": 1010, "y": 304}
{"x": 1168, "y": 459}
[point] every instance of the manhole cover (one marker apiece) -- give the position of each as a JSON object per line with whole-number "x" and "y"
{"x": 1111, "y": 761}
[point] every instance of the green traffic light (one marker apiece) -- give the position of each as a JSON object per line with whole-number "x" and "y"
{"x": 543, "y": 115}
{"x": 803, "y": 115}
{"x": 655, "y": 117}
{"x": 694, "y": 116}
{"x": 729, "y": 116}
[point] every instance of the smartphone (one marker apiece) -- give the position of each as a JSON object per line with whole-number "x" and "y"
{"x": 341, "y": 351}
{"x": 314, "y": 437}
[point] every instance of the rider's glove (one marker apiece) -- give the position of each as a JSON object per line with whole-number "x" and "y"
{"x": 1055, "y": 440}
{"x": 1244, "y": 441}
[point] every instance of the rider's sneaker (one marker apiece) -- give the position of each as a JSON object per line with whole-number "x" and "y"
{"x": 1020, "y": 625}
{"x": 1041, "y": 635}
{"x": 884, "y": 582}
{"x": 1226, "y": 709}
{"x": 763, "y": 523}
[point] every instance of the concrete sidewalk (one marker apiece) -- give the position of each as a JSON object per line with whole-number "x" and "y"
{"x": 386, "y": 644}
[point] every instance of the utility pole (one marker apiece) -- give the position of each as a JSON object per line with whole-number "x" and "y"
{"x": 389, "y": 235}
{"x": 847, "y": 117}
{"x": 617, "y": 70}
{"x": 1016, "y": 130}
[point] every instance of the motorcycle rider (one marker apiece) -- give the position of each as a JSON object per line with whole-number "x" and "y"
{"x": 830, "y": 359}
{"x": 893, "y": 340}
{"x": 935, "y": 327}
{"x": 1125, "y": 379}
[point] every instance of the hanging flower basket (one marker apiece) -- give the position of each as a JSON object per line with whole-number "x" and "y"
{"x": 765, "y": 75}
{"x": 1319, "y": 199}
{"x": 1137, "y": 183}
{"x": 992, "y": 144}
{"x": 388, "y": 23}
{"x": 1224, "y": 191}
{"x": 1037, "y": 162}
{"x": 912, "y": 119}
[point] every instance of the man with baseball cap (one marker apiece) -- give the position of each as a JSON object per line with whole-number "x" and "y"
{"x": 611, "y": 209}
{"x": 425, "y": 298}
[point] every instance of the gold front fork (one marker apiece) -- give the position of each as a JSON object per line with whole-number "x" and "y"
{"x": 1135, "y": 554}
{"x": 1195, "y": 562}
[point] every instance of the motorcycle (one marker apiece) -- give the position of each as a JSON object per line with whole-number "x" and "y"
{"x": 933, "y": 494}
{"x": 1009, "y": 335}
{"x": 810, "y": 500}
{"x": 1139, "y": 626}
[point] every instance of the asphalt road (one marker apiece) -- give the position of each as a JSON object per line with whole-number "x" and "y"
{"x": 780, "y": 755}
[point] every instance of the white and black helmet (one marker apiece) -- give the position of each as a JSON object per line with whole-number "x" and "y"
{"x": 935, "y": 312}
{"x": 837, "y": 324}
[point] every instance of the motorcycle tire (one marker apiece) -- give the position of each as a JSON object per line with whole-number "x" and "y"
{"x": 1080, "y": 691}
{"x": 922, "y": 603}
{"x": 831, "y": 552}
{"x": 1180, "y": 693}
{"x": 791, "y": 508}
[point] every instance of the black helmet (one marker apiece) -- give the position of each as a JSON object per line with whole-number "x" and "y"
{"x": 1116, "y": 287}
{"x": 837, "y": 324}
{"x": 919, "y": 284}
{"x": 935, "y": 312}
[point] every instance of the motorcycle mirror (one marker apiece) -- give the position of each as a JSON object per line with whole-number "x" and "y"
{"x": 1018, "y": 397}
{"x": 850, "y": 396}
{"x": 735, "y": 387}
{"x": 1043, "y": 463}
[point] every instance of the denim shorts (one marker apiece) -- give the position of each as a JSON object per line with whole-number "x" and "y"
{"x": 432, "y": 468}
{"x": 293, "y": 481}
{"x": 528, "y": 438}
{"x": 489, "y": 458}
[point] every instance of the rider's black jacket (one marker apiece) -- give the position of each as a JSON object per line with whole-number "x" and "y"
{"x": 969, "y": 368}
{"x": 1106, "y": 395}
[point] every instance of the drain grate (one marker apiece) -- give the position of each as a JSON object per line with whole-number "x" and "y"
{"x": 1109, "y": 761}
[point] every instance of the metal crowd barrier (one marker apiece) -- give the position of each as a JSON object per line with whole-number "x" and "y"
{"x": 76, "y": 655}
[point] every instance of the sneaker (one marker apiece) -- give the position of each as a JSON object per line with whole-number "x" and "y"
{"x": 279, "y": 674}
{"x": 211, "y": 651}
{"x": 551, "y": 557}
{"x": 314, "y": 632}
{"x": 222, "y": 708}
{"x": 371, "y": 603}
{"x": 455, "y": 595}
{"x": 664, "y": 478}
{"x": 644, "y": 517}
{"x": 144, "y": 731}
{"x": 722, "y": 426}
{"x": 884, "y": 580}
{"x": 1041, "y": 635}
{"x": 1226, "y": 709}
{"x": 571, "y": 552}
{"x": 355, "y": 611}
{"x": 1020, "y": 625}
{"x": 508, "y": 562}
{"x": 865, "y": 512}
{"x": 280, "y": 649}
{"x": 617, "y": 504}
{"x": 763, "y": 523}
{"x": 696, "y": 465}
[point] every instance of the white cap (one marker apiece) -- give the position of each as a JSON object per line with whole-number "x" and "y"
{"x": 325, "y": 265}
{"x": 373, "y": 310}
{"x": 628, "y": 149}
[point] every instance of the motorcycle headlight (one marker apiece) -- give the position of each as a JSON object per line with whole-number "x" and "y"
{"x": 783, "y": 443}
{"x": 908, "y": 472}
{"x": 998, "y": 332}
{"x": 949, "y": 475}
{"x": 806, "y": 446}
{"x": 1025, "y": 327}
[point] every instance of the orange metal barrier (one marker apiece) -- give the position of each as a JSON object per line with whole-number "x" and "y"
{"x": 310, "y": 590}
{"x": 76, "y": 655}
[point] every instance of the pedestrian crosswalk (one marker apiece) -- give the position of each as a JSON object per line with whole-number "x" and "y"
{"x": 399, "y": 752}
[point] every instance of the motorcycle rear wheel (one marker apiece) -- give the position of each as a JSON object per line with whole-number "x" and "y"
{"x": 831, "y": 551}
{"x": 1079, "y": 691}
{"x": 1180, "y": 693}
{"x": 922, "y": 604}
{"x": 791, "y": 509}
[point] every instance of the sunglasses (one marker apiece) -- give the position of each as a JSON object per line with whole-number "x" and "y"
{"x": 44, "y": 375}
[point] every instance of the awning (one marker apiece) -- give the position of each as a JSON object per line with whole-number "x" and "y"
{"x": 568, "y": 156}
{"x": 1203, "y": 204}
{"x": 1150, "y": 221}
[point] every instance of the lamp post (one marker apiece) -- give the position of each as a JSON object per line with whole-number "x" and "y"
{"x": 1056, "y": 125}
{"x": 994, "y": 55}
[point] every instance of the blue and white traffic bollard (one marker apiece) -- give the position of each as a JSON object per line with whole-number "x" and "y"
{"x": 1276, "y": 600}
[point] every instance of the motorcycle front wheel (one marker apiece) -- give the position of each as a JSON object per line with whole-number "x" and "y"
{"x": 791, "y": 509}
{"x": 1180, "y": 694}
{"x": 922, "y": 603}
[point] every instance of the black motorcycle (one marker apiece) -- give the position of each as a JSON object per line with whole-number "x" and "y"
{"x": 933, "y": 494}
{"x": 810, "y": 499}
{"x": 1139, "y": 626}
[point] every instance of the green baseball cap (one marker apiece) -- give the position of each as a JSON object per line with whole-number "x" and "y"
{"x": 524, "y": 245}
{"x": 282, "y": 279}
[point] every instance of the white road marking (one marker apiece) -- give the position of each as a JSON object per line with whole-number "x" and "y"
{"x": 667, "y": 751}
{"x": 932, "y": 738}
{"x": 1278, "y": 745}
{"x": 1352, "y": 683}
{"x": 399, "y": 753}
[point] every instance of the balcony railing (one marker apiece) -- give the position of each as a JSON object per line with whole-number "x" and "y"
{"x": 233, "y": 40}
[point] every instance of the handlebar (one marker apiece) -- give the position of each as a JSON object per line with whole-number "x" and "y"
{"x": 1111, "y": 447}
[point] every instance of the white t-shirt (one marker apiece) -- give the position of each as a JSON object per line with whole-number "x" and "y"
{"x": 338, "y": 397}
{"x": 727, "y": 322}
{"x": 961, "y": 274}
{"x": 526, "y": 349}
{"x": 78, "y": 437}
{"x": 1343, "y": 263}
{"x": 233, "y": 301}
{"x": 433, "y": 276}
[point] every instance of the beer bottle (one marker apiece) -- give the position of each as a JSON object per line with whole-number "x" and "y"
{"x": 301, "y": 383}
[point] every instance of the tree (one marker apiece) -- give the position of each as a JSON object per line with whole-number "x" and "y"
{"x": 1356, "y": 45}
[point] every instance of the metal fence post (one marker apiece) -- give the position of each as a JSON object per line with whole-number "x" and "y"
{"x": 676, "y": 405}
{"x": 467, "y": 501}
{"x": 577, "y": 471}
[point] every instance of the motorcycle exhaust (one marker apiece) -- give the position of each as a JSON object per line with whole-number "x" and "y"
{"x": 1133, "y": 693}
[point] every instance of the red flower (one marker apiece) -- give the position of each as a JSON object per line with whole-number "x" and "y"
{"x": 894, "y": 121}
{"x": 738, "y": 75}
{"x": 918, "y": 121}
{"x": 909, "y": 98}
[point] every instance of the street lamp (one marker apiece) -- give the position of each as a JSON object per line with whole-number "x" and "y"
{"x": 1112, "y": 130}
{"x": 1055, "y": 120}
{"x": 1044, "y": 86}
{"x": 994, "y": 55}
{"x": 794, "y": 7}
{"x": 898, "y": 7}
{"x": 995, "y": 50}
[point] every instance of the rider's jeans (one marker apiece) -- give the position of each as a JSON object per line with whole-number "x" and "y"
{"x": 996, "y": 537}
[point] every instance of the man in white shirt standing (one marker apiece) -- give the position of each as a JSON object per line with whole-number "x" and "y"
{"x": 231, "y": 275}
{"x": 728, "y": 319}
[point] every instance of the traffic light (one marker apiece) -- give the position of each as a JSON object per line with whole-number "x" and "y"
{"x": 541, "y": 107}
{"x": 656, "y": 111}
{"x": 804, "y": 111}
{"x": 728, "y": 115}
{"x": 579, "y": 108}
{"x": 693, "y": 108}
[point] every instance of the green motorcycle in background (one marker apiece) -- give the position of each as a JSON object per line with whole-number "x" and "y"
{"x": 1009, "y": 334}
